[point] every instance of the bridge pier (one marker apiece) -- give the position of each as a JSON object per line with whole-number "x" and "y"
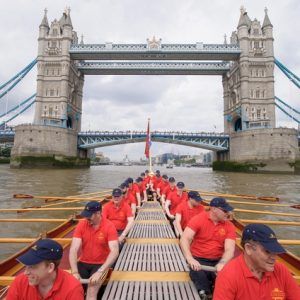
{"x": 47, "y": 146}
{"x": 268, "y": 150}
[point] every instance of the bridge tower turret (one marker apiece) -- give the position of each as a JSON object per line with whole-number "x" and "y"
{"x": 249, "y": 85}
{"x": 57, "y": 119}
{"x": 59, "y": 84}
{"x": 249, "y": 104}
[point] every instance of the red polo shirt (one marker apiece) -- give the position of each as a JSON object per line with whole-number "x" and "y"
{"x": 129, "y": 199}
{"x": 95, "y": 249}
{"x": 236, "y": 281}
{"x": 117, "y": 215}
{"x": 134, "y": 189}
{"x": 66, "y": 287}
{"x": 176, "y": 200}
{"x": 162, "y": 185}
{"x": 209, "y": 237}
{"x": 187, "y": 213}
{"x": 157, "y": 181}
{"x": 167, "y": 190}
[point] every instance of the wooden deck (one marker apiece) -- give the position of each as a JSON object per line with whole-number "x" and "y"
{"x": 151, "y": 264}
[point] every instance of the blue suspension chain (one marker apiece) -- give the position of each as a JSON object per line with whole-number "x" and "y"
{"x": 18, "y": 106}
{"x": 21, "y": 76}
{"x": 14, "y": 116}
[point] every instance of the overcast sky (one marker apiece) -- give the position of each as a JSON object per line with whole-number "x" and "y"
{"x": 187, "y": 103}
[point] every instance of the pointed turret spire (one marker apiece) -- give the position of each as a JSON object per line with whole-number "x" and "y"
{"x": 267, "y": 21}
{"x": 66, "y": 19}
{"x": 225, "y": 39}
{"x": 45, "y": 19}
{"x": 243, "y": 19}
{"x": 81, "y": 41}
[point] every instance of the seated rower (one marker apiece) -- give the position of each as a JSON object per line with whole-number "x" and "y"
{"x": 128, "y": 197}
{"x": 186, "y": 210}
{"x": 175, "y": 198}
{"x": 42, "y": 278}
{"x": 208, "y": 239}
{"x": 255, "y": 274}
{"x": 97, "y": 239}
{"x": 119, "y": 213}
{"x": 134, "y": 189}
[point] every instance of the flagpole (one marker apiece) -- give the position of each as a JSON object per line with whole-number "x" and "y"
{"x": 150, "y": 159}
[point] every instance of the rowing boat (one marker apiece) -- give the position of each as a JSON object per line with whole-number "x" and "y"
{"x": 64, "y": 231}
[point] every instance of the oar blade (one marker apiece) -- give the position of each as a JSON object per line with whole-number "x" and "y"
{"x": 22, "y": 196}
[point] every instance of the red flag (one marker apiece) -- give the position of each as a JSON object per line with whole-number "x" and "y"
{"x": 148, "y": 141}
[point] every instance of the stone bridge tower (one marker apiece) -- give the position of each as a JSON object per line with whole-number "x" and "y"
{"x": 249, "y": 103}
{"x": 52, "y": 139}
{"x": 249, "y": 86}
{"x": 59, "y": 84}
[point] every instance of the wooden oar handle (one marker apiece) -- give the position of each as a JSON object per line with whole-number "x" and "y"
{"x": 208, "y": 268}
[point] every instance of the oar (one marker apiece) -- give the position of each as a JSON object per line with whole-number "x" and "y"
{"x": 74, "y": 201}
{"x": 253, "y": 197}
{"x": 30, "y": 240}
{"x": 36, "y": 220}
{"x": 265, "y": 212}
{"x": 270, "y": 222}
{"x": 258, "y": 204}
{"x": 282, "y": 242}
{"x": 7, "y": 280}
{"x": 49, "y": 199}
{"x": 41, "y": 209}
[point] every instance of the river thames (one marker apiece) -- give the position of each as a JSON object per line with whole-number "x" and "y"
{"x": 81, "y": 181}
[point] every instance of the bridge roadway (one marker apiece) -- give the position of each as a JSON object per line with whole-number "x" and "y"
{"x": 153, "y": 68}
{"x": 151, "y": 264}
{"x": 155, "y": 51}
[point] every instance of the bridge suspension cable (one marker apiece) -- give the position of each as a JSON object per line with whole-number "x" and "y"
{"x": 18, "y": 106}
{"x": 20, "y": 112}
{"x": 293, "y": 77}
{"x": 284, "y": 103}
{"x": 288, "y": 114}
{"x": 17, "y": 78}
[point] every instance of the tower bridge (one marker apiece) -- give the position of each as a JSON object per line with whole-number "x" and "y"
{"x": 246, "y": 64}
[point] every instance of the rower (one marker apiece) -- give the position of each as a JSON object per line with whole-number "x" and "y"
{"x": 128, "y": 197}
{"x": 171, "y": 187}
{"x": 42, "y": 278}
{"x": 175, "y": 198}
{"x": 119, "y": 213}
{"x": 161, "y": 186}
{"x": 208, "y": 239}
{"x": 98, "y": 240}
{"x": 255, "y": 274}
{"x": 186, "y": 210}
{"x": 133, "y": 189}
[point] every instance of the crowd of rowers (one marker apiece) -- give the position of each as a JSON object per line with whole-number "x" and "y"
{"x": 207, "y": 238}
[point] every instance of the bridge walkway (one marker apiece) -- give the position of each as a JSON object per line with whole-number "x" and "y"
{"x": 151, "y": 264}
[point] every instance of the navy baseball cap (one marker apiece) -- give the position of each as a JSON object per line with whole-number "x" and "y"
{"x": 90, "y": 208}
{"x": 117, "y": 192}
{"x": 194, "y": 195}
{"x": 45, "y": 249}
{"x": 139, "y": 179}
{"x": 220, "y": 203}
{"x": 129, "y": 180}
{"x": 165, "y": 176}
{"x": 171, "y": 179}
{"x": 264, "y": 235}
{"x": 180, "y": 185}
{"x": 124, "y": 185}
{"x": 157, "y": 172}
